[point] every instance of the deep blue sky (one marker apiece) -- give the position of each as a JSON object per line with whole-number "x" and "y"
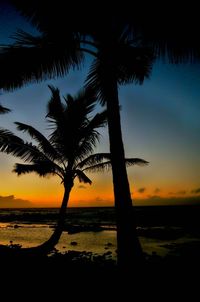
{"x": 160, "y": 122}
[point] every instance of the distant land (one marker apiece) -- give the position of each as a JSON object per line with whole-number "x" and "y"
{"x": 11, "y": 201}
{"x": 168, "y": 201}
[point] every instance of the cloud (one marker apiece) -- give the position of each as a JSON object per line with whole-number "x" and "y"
{"x": 196, "y": 191}
{"x": 141, "y": 190}
{"x": 183, "y": 192}
{"x": 82, "y": 187}
{"x": 11, "y": 202}
{"x": 157, "y": 190}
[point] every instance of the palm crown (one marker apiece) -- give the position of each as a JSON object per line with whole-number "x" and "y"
{"x": 68, "y": 152}
{"x": 119, "y": 57}
{"x": 115, "y": 49}
{"x": 73, "y": 137}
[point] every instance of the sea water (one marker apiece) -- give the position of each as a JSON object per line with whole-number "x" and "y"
{"x": 161, "y": 229}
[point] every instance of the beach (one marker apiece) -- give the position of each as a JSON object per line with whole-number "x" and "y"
{"x": 87, "y": 259}
{"x": 163, "y": 231}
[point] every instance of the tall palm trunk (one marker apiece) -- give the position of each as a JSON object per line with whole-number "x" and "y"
{"x": 128, "y": 246}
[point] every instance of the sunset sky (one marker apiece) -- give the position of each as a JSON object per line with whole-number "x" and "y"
{"x": 160, "y": 123}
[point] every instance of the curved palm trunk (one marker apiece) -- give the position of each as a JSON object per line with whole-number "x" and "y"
{"x": 128, "y": 246}
{"x": 48, "y": 246}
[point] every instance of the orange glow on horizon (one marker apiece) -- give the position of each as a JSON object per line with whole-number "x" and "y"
{"x": 87, "y": 198}
{"x": 48, "y": 192}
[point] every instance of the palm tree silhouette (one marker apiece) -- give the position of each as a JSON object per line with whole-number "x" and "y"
{"x": 100, "y": 33}
{"x": 68, "y": 153}
{"x": 118, "y": 59}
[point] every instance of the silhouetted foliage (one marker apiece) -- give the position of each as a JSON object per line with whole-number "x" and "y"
{"x": 4, "y": 110}
{"x": 119, "y": 58}
{"x": 68, "y": 152}
{"x": 124, "y": 43}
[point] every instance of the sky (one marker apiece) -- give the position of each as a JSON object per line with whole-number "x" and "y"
{"x": 160, "y": 123}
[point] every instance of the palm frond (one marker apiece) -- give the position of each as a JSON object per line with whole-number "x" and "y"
{"x": 22, "y": 38}
{"x": 7, "y": 137}
{"x": 97, "y": 78}
{"x": 175, "y": 41}
{"x": 4, "y": 110}
{"x": 93, "y": 160}
{"x": 84, "y": 101}
{"x": 106, "y": 166}
{"x": 134, "y": 64}
{"x": 55, "y": 107}
{"x": 57, "y": 17}
{"x": 33, "y": 59}
{"x": 122, "y": 62}
{"x": 98, "y": 121}
{"x": 12, "y": 144}
{"x": 43, "y": 143}
{"x": 82, "y": 177}
{"x": 75, "y": 133}
{"x": 136, "y": 161}
{"x": 90, "y": 136}
{"x": 34, "y": 12}
{"x": 84, "y": 149}
{"x": 79, "y": 107}
{"x": 42, "y": 169}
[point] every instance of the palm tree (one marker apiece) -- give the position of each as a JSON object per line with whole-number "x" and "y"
{"x": 68, "y": 153}
{"x": 113, "y": 37}
{"x": 118, "y": 59}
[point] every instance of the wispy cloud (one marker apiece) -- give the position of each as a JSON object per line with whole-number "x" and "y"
{"x": 142, "y": 190}
{"x": 157, "y": 190}
{"x": 196, "y": 191}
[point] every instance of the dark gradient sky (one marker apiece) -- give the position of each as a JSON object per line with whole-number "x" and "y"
{"x": 160, "y": 123}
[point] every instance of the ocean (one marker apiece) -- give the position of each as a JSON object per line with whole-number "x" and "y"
{"x": 162, "y": 230}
